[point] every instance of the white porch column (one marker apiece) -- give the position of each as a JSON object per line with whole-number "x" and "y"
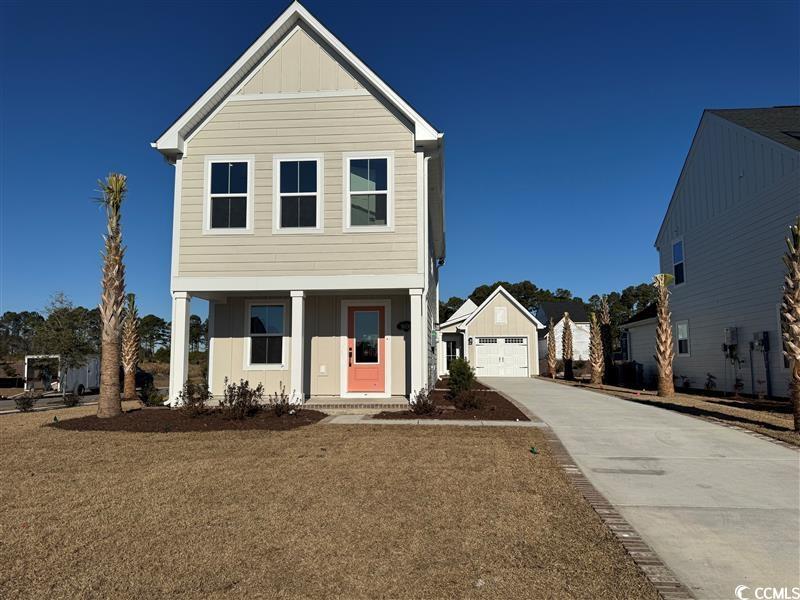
{"x": 417, "y": 339}
{"x": 179, "y": 344}
{"x": 298, "y": 345}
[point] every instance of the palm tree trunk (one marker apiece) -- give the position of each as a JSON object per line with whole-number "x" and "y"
{"x": 664, "y": 349}
{"x": 552, "y": 360}
{"x": 790, "y": 316}
{"x": 596, "y": 352}
{"x": 566, "y": 348}
{"x": 610, "y": 375}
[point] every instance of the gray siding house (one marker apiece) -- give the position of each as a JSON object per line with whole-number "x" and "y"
{"x": 722, "y": 238}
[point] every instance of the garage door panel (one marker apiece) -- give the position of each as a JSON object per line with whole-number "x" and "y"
{"x": 501, "y": 356}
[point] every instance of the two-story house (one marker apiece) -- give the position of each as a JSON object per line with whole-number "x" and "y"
{"x": 722, "y": 239}
{"x": 309, "y": 213}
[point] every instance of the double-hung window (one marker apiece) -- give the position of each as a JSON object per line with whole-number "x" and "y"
{"x": 266, "y": 330}
{"x": 678, "y": 267}
{"x": 229, "y": 202}
{"x": 682, "y": 337}
{"x": 298, "y": 193}
{"x": 368, "y": 195}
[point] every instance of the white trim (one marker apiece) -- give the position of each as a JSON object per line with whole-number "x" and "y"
{"x": 343, "y": 326}
{"x": 277, "y": 159}
{"x": 297, "y": 95}
{"x": 378, "y": 154}
{"x": 221, "y": 158}
{"x": 501, "y": 290}
{"x": 688, "y": 339}
{"x": 422, "y": 251}
{"x": 246, "y": 364}
{"x": 298, "y": 345}
{"x": 297, "y": 282}
{"x": 212, "y": 309}
{"x": 176, "y": 217}
{"x": 171, "y": 141}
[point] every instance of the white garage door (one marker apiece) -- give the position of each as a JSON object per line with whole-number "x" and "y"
{"x": 501, "y": 356}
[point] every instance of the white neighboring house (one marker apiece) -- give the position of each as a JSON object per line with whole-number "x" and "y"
{"x": 638, "y": 336}
{"x": 581, "y": 328}
{"x": 723, "y": 238}
{"x": 498, "y": 337}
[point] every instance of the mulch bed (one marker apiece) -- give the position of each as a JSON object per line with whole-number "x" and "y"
{"x": 164, "y": 420}
{"x": 494, "y": 407}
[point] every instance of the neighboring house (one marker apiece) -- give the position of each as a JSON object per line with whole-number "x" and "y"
{"x": 581, "y": 328}
{"x": 723, "y": 237}
{"x": 498, "y": 337}
{"x": 638, "y": 341}
{"x": 309, "y": 212}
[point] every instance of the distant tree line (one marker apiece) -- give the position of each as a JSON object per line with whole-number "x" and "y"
{"x": 68, "y": 330}
{"x": 623, "y": 305}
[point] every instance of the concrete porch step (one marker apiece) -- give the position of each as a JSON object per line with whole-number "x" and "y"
{"x": 334, "y": 405}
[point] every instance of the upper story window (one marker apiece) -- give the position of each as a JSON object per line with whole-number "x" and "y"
{"x": 229, "y": 201}
{"x": 682, "y": 337}
{"x": 368, "y": 195}
{"x": 298, "y": 198}
{"x": 266, "y": 329}
{"x": 678, "y": 267}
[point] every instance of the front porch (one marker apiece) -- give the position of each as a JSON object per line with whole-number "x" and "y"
{"x": 329, "y": 348}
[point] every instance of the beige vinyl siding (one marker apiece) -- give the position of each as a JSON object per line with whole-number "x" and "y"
{"x": 299, "y": 65}
{"x": 323, "y": 331}
{"x": 517, "y": 325}
{"x": 734, "y": 272}
{"x": 327, "y": 126}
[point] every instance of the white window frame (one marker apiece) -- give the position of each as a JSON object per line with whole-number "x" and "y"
{"x": 346, "y": 158}
{"x": 682, "y": 262}
{"x": 228, "y": 158}
{"x": 284, "y": 365}
{"x": 688, "y": 339}
{"x": 276, "y": 193}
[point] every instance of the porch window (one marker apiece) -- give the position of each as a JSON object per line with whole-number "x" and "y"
{"x": 298, "y": 198}
{"x": 228, "y": 195}
{"x": 266, "y": 334}
{"x": 368, "y": 191}
{"x": 678, "y": 268}
{"x": 682, "y": 337}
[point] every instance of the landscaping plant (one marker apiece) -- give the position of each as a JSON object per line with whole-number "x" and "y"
{"x": 423, "y": 403}
{"x": 150, "y": 396}
{"x": 71, "y": 400}
{"x": 239, "y": 400}
{"x": 130, "y": 348}
{"x": 26, "y": 401}
{"x": 606, "y": 338}
{"x": 193, "y": 397}
{"x": 711, "y": 383}
{"x": 281, "y": 403}
{"x": 462, "y": 376}
{"x": 552, "y": 361}
{"x": 113, "y": 191}
{"x": 566, "y": 348}
{"x": 468, "y": 400}
{"x": 596, "y": 352}
{"x": 664, "y": 349}
{"x": 790, "y": 316}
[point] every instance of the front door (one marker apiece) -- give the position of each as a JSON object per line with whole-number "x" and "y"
{"x": 366, "y": 357}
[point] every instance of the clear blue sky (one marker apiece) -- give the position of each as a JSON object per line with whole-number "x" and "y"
{"x": 567, "y": 124}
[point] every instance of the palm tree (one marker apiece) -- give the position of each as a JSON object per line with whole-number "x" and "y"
{"x": 130, "y": 347}
{"x": 566, "y": 348}
{"x": 607, "y": 340}
{"x": 113, "y": 191}
{"x": 552, "y": 360}
{"x": 790, "y": 315}
{"x": 596, "y": 352}
{"x": 664, "y": 350}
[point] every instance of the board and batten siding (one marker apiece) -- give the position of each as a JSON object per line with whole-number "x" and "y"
{"x": 329, "y": 126}
{"x": 516, "y": 325}
{"x": 322, "y": 343}
{"x": 732, "y": 209}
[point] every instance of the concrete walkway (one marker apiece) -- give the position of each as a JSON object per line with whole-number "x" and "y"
{"x": 720, "y": 507}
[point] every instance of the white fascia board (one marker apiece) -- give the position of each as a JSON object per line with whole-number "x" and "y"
{"x": 501, "y": 290}
{"x": 171, "y": 141}
{"x": 298, "y": 282}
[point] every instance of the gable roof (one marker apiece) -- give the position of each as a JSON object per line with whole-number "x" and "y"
{"x": 780, "y": 123}
{"x": 648, "y": 312}
{"x": 501, "y": 290}
{"x": 171, "y": 141}
{"x": 462, "y": 313}
{"x": 556, "y": 309}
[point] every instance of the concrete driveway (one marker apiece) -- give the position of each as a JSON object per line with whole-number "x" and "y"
{"x": 721, "y": 507}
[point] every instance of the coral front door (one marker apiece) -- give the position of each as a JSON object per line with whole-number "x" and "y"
{"x": 366, "y": 356}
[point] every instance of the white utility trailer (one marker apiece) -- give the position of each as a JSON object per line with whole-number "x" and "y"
{"x": 55, "y": 378}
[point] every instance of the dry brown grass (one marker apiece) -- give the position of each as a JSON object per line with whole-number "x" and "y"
{"x": 320, "y": 512}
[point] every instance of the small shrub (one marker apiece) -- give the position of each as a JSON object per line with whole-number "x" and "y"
{"x": 150, "y": 396}
{"x": 686, "y": 383}
{"x": 26, "y": 401}
{"x": 193, "y": 397}
{"x": 468, "y": 400}
{"x": 711, "y": 383}
{"x": 239, "y": 400}
{"x": 423, "y": 403}
{"x": 71, "y": 400}
{"x": 281, "y": 403}
{"x": 738, "y": 386}
{"x": 461, "y": 377}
